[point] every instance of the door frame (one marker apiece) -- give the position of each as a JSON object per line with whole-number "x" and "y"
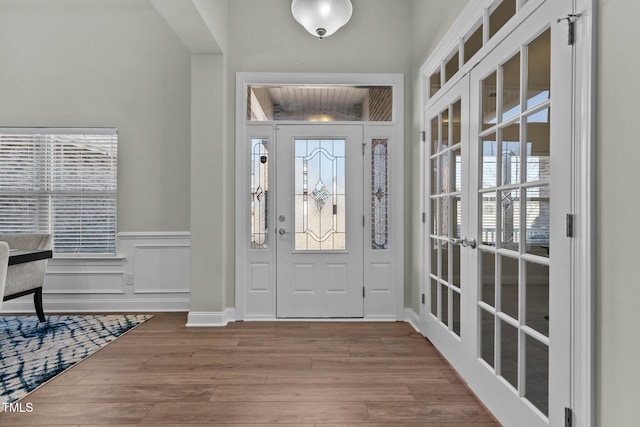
{"x": 582, "y": 258}
{"x": 258, "y": 303}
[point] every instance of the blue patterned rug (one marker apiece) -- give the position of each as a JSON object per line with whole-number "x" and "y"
{"x": 32, "y": 353}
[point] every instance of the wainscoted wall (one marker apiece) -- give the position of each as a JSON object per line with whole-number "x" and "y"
{"x": 149, "y": 273}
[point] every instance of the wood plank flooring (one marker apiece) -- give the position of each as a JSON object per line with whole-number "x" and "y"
{"x": 259, "y": 374}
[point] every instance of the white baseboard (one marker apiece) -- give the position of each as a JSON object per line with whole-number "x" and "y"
{"x": 412, "y": 318}
{"x": 211, "y": 318}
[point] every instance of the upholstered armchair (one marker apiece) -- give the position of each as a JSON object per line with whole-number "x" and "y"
{"x": 4, "y": 263}
{"x": 27, "y": 278}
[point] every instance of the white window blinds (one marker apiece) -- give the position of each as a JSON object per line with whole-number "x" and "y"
{"x": 61, "y": 181}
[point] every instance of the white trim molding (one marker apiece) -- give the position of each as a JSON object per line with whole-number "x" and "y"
{"x": 211, "y": 318}
{"x": 583, "y": 283}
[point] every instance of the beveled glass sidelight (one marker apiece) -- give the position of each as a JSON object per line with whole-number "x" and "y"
{"x": 379, "y": 194}
{"x": 259, "y": 193}
{"x": 320, "y": 194}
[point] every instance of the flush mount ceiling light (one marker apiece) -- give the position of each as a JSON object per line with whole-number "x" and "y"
{"x": 322, "y": 17}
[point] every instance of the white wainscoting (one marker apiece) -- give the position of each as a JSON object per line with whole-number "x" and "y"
{"x": 149, "y": 273}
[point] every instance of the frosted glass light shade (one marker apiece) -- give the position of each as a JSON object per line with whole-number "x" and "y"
{"x": 322, "y": 17}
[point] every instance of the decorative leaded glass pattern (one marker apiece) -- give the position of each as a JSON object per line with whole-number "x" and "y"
{"x": 259, "y": 193}
{"x": 379, "y": 194}
{"x": 320, "y": 194}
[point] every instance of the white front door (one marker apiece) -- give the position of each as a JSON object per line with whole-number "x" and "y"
{"x": 319, "y": 221}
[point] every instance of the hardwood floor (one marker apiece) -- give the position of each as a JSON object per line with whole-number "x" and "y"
{"x": 259, "y": 374}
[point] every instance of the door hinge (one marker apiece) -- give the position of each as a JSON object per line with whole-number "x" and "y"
{"x": 568, "y": 417}
{"x": 423, "y": 299}
{"x": 423, "y": 136}
{"x": 363, "y": 220}
{"x": 569, "y": 225}
{"x": 364, "y": 145}
{"x": 363, "y": 292}
{"x": 571, "y": 20}
{"x": 424, "y": 217}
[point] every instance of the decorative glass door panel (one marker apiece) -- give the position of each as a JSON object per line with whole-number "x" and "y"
{"x": 319, "y": 212}
{"x": 320, "y": 195}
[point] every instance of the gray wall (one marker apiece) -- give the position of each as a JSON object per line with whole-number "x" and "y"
{"x": 106, "y": 63}
{"x": 618, "y": 204}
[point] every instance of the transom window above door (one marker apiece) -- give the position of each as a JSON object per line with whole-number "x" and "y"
{"x": 319, "y": 103}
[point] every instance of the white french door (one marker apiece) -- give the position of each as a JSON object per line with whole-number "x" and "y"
{"x": 499, "y": 189}
{"x": 319, "y": 221}
{"x": 446, "y": 312}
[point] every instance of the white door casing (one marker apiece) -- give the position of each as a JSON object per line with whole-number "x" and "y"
{"x": 319, "y": 221}
{"x": 256, "y": 141}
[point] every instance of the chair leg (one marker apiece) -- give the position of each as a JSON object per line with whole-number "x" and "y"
{"x": 37, "y": 301}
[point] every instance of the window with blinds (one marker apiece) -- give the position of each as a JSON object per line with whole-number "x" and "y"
{"x": 61, "y": 181}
